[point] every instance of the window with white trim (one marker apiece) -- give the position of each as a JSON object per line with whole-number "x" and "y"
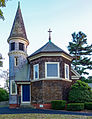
{"x": 66, "y": 71}
{"x": 52, "y": 69}
{"x": 13, "y": 88}
{"x": 36, "y": 71}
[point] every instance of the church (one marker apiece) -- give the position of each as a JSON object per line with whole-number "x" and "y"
{"x": 41, "y": 77}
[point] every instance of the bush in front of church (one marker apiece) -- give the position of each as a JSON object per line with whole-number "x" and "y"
{"x": 58, "y": 104}
{"x": 4, "y": 96}
{"x": 80, "y": 92}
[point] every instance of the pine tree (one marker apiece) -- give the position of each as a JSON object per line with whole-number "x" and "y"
{"x": 2, "y": 4}
{"x": 81, "y": 53}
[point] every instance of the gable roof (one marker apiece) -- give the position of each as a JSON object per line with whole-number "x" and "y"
{"x": 18, "y": 28}
{"x": 49, "y": 47}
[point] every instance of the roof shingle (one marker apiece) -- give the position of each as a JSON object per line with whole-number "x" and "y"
{"x": 18, "y": 28}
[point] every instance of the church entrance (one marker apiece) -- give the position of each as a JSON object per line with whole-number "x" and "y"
{"x": 25, "y": 93}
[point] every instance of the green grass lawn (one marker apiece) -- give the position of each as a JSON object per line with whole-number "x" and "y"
{"x": 42, "y": 116}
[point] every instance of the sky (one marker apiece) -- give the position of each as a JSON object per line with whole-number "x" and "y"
{"x": 63, "y": 17}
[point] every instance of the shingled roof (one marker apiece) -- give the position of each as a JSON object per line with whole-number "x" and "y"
{"x": 49, "y": 47}
{"x": 18, "y": 28}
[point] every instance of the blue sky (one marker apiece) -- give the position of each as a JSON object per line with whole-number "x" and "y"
{"x": 63, "y": 17}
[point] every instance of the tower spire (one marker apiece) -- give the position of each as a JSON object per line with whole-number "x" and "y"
{"x": 18, "y": 4}
{"x": 49, "y": 35}
{"x": 18, "y": 28}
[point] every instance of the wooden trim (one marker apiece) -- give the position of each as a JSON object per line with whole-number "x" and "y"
{"x": 50, "y": 54}
{"x": 13, "y": 38}
{"x": 47, "y": 79}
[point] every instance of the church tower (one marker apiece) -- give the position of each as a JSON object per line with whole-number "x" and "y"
{"x": 18, "y": 43}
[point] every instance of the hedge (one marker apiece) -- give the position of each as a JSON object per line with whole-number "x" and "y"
{"x": 75, "y": 106}
{"x": 58, "y": 104}
{"x": 88, "y": 105}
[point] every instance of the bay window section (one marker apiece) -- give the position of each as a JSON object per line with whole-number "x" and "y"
{"x": 52, "y": 69}
{"x": 36, "y": 71}
{"x": 66, "y": 71}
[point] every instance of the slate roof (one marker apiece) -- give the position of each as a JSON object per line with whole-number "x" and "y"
{"x": 23, "y": 74}
{"x": 49, "y": 47}
{"x": 18, "y": 28}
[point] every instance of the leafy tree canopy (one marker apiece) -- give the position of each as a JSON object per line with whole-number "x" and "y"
{"x": 2, "y": 4}
{"x": 4, "y": 96}
{"x": 80, "y": 92}
{"x": 81, "y": 53}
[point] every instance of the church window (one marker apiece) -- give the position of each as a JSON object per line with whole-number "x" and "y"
{"x": 16, "y": 61}
{"x": 21, "y": 46}
{"x": 13, "y": 88}
{"x": 36, "y": 71}
{"x": 12, "y": 46}
{"x": 66, "y": 71}
{"x": 52, "y": 69}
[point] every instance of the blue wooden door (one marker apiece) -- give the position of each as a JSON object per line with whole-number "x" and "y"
{"x": 25, "y": 93}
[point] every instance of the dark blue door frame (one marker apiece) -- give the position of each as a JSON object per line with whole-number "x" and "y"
{"x": 25, "y": 93}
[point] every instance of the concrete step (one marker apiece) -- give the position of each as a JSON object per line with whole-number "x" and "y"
{"x": 26, "y": 105}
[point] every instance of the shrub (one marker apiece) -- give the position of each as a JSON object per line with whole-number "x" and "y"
{"x": 88, "y": 105}
{"x": 75, "y": 106}
{"x": 4, "y": 96}
{"x": 80, "y": 92}
{"x": 58, "y": 104}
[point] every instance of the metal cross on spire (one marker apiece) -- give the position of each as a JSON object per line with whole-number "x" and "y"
{"x": 49, "y": 35}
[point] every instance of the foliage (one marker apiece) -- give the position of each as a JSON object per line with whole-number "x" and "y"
{"x": 2, "y": 4}
{"x": 58, "y": 104}
{"x": 5, "y": 76}
{"x": 80, "y": 92}
{"x": 81, "y": 53}
{"x": 75, "y": 106}
{"x": 88, "y": 105}
{"x": 88, "y": 80}
{"x": 4, "y": 96}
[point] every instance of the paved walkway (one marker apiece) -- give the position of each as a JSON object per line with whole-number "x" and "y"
{"x": 6, "y": 110}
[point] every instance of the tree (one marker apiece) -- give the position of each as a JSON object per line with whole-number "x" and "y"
{"x": 80, "y": 92}
{"x": 5, "y": 76}
{"x": 4, "y": 96}
{"x": 81, "y": 53}
{"x": 1, "y": 62}
{"x": 2, "y": 4}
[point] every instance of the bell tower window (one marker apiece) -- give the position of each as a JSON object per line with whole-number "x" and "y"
{"x": 21, "y": 46}
{"x": 12, "y": 46}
